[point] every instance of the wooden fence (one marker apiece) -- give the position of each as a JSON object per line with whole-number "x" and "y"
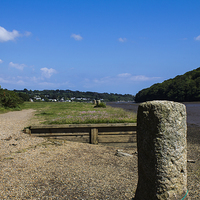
{"x": 88, "y": 133}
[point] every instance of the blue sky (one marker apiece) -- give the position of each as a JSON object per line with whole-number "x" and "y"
{"x": 97, "y": 45}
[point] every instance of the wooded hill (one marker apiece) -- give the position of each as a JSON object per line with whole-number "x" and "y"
{"x": 68, "y": 94}
{"x": 181, "y": 88}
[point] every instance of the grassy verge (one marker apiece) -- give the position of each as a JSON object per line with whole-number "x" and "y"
{"x": 5, "y": 110}
{"x": 78, "y": 113}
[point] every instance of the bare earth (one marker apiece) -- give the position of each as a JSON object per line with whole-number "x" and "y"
{"x": 36, "y": 168}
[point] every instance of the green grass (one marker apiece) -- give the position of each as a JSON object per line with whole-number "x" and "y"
{"x": 5, "y": 110}
{"x": 78, "y": 113}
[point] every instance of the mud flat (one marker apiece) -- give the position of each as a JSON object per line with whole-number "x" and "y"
{"x": 193, "y": 110}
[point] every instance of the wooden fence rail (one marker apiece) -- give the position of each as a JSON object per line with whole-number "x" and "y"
{"x": 88, "y": 133}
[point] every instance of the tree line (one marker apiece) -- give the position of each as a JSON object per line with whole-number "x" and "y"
{"x": 68, "y": 94}
{"x": 182, "y": 88}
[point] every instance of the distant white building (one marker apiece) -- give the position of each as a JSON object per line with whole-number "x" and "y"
{"x": 38, "y": 98}
{"x": 53, "y": 100}
{"x": 62, "y": 99}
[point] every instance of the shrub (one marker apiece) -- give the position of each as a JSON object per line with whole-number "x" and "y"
{"x": 100, "y": 105}
{"x": 24, "y": 96}
{"x": 9, "y": 99}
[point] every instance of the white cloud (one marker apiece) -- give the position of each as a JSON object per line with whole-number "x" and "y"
{"x": 124, "y": 78}
{"x": 53, "y": 84}
{"x": 47, "y": 73}
{"x": 17, "y": 66}
{"x": 122, "y": 39}
{"x": 20, "y": 82}
{"x": 103, "y": 80}
{"x": 34, "y": 79}
{"x": 27, "y": 33}
{"x": 76, "y": 37}
{"x": 129, "y": 77}
{"x": 6, "y": 35}
{"x": 46, "y": 84}
{"x": 142, "y": 78}
{"x": 2, "y": 80}
{"x": 197, "y": 38}
{"x": 124, "y": 75}
{"x": 1, "y": 61}
{"x": 26, "y": 81}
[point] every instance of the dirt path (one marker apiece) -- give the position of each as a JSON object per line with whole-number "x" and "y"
{"x": 12, "y": 123}
{"x": 12, "y": 137}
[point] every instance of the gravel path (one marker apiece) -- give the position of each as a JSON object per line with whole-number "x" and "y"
{"x": 14, "y": 121}
{"x": 36, "y": 168}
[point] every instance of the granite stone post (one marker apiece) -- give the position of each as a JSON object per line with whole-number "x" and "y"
{"x": 162, "y": 151}
{"x": 98, "y": 102}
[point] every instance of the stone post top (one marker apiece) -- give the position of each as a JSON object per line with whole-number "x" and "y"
{"x": 161, "y": 103}
{"x": 165, "y": 111}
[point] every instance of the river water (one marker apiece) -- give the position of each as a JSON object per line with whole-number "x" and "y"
{"x": 192, "y": 108}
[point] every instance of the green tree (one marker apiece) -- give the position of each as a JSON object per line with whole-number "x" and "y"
{"x": 182, "y": 88}
{"x": 9, "y": 99}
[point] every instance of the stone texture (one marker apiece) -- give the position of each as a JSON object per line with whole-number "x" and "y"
{"x": 162, "y": 151}
{"x": 98, "y": 102}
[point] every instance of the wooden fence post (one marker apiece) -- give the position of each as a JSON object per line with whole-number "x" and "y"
{"x": 94, "y": 136}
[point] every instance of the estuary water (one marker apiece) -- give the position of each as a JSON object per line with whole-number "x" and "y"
{"x": 192, "y": 108}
